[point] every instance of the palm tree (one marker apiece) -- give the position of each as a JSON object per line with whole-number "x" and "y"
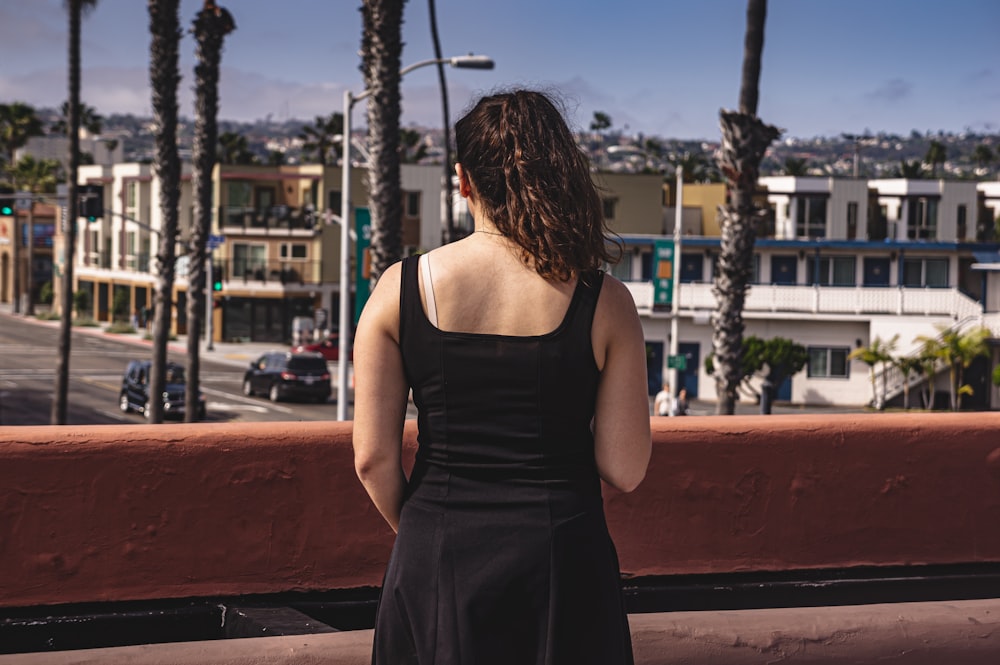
{"x": 90, "y": 119}
{"x": 211, "y": 26}
{"x": 796, "y": 167}
{"x": 34, "y": 176}
{"x": 958, "y": 350}
{"x": 18, "y": 123}
{"x": 381, "y": 47}
{"x": 164, "y": 76}
{"x": 745, "y": 139}
{"x": 908, "y": 365}
{"x": 234, "y": 149}
{"x": 319, "y": 138}
{"x": 413, "y": 149}
{"x": 982, "y": 155}
{"x": 75, "y": 9}
{"x": 601, "y": 122}
{"x": 878, "y": 353}
{"x": 936, "y": 154}
{"x": 912, "y": 169}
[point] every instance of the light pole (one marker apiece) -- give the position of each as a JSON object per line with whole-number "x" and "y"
{"x": 463, "y": 62}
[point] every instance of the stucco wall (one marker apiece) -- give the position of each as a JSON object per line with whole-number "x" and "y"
{"x": 106, "y": 513}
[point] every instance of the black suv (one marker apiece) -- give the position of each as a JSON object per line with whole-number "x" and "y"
{"x": 283, "y": 375}
{"x": 135, "y": 390}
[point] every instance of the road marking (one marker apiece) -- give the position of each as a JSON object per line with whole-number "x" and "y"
{"x": 113, "y": 414}
{"x": 246, "y": 400}
{"x": 226, "y": 406}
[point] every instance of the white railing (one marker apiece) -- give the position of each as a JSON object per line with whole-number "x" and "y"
{"x": 824, "y": 300}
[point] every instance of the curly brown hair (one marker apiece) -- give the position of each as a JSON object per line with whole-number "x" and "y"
{"x": 533, "y": 182}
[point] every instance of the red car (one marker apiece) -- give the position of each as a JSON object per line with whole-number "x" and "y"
{"x": 328, "y": 348}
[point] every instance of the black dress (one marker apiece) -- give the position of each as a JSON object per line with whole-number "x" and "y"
{"x": 503, "y": 554}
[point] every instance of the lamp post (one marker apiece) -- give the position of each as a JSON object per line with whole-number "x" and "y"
{"x": 463, "y": 62}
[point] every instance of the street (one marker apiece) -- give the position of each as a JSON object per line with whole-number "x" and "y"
{"x": 28, "y": 350}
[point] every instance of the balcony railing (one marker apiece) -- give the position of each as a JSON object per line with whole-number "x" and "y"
{"x": 280, "y": 217}
{"x": 824, "y": 299}
{"x": 109, "y": 261}
{"x": 244, "y": 271}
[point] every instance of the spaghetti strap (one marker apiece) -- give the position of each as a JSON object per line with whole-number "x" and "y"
{"x": 425, "y": 270}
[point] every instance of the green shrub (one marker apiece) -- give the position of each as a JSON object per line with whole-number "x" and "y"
{"x": 47, "y": 315}
{"x": 120, "y": 328}
{"x": 81, "y": 303}
{"x": 119, "y": 304}
{"x": 46, "y": 294}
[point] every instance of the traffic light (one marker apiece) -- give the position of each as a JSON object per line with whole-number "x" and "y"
{"x": 6, "y": 206}
{"x": 216, "y": 278}
{"x": 91, "y": 202}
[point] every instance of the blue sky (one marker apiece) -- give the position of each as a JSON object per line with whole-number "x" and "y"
{"x": 662, "y": 67}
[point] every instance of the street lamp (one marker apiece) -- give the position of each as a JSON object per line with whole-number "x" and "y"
{"x": 462, "y": 62}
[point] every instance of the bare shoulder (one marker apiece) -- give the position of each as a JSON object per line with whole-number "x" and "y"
{"x": 615, "y": 300}
{"x": 382, "y": 309}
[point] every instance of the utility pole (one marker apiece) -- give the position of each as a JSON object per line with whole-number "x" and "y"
{"x": 675, "y": 295}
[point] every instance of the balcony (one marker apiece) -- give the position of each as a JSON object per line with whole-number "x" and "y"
{"x": 275, "y": 271}
{"x": 849, "y": 300}
{"x": 279, "y": 218}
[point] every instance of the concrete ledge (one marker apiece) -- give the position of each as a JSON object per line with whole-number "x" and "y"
{"x": 966, "y": 632}
{"x": 114, "y": 513}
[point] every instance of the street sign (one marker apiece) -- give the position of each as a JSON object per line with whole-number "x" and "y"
{"x": 23, "y": 200}
{"x": 214, "y": 241}
{"x": 362, "y": 260}
{"x": 663, "y": 278}
{"x": 677, "y": 362}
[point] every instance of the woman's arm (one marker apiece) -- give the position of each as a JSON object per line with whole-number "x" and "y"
{"x": 622, "y": 441}
{"x": 380, "y": 396}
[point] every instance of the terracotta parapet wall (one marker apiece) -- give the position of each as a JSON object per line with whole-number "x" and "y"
{"x": 110, "y": 513}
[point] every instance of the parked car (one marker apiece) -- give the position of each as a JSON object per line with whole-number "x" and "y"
{"x": 328, "y": 347}
{"x": 134, "y": 395}
{"x": 286, "y": 375}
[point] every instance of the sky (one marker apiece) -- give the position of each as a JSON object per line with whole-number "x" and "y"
{"x": 657, "y": 67}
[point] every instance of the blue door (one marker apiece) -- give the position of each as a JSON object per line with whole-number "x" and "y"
{"x": 784, "y": 269}
{"x": 688, "y": 379}
{"x": 784, "y": 393}
{"x": 654, "y": 367}
{"x": 876, "y": 271}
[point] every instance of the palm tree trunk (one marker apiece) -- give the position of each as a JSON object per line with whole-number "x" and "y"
{"x": 744, "y": 140}
{"x": 381, "y": 48}
{"x": 210, "y": 28}
{"x": 69, "y": 220}
{"x": 164, "y": 77}
{"x": 448, "y": 233}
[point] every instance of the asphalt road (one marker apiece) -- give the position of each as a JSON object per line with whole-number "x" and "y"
{"x": 28, "y": 350}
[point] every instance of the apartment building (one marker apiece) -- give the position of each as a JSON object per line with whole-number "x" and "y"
{"x": 278, "y": 252}
{"x": 838, "y": 262}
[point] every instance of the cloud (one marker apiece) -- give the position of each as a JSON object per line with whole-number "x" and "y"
{"x": 890, "y": 92}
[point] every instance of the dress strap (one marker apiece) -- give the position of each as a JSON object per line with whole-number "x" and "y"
{"x": 425, "y": 271}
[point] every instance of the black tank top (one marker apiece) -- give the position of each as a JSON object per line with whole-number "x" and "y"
{"x": 514, "y": 409}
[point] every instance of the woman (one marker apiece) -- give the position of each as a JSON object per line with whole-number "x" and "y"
{"x": 528, "y": 370}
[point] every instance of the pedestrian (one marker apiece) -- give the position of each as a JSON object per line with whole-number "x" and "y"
{"x": 680, "y": 405}
{"x": 664, "y": 401}
{"x": 527, "y": 366}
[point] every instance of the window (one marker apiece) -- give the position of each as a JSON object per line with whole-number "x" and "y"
{"x": 810, "y": 217}
{"x": 412, "y": 207}
{"x": 333, "y": 201}
{"x": 832, "y": 271}
{"x": 852, "y": 220}
{"x": 623, "y": 269}
{"x": 755, "y": 268}
{"x": 609, "y": 208}
{"x": 919, "y": 273}
{"x": 922, "y": 219}
{"x": 249, "y": 261}
{"x": 828, "y": 362}
{"x": 961, "y": 225}
{"x": 296, "y": 250}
